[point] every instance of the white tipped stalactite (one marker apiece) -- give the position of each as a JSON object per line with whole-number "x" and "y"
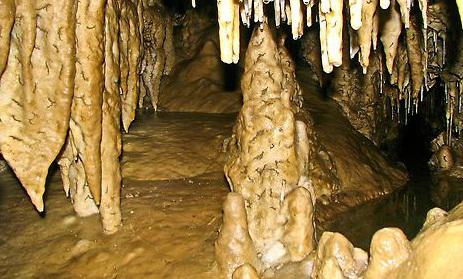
{"x": 384, "y": 4}
{"x": 366, "y": 31}
{"x": 229, "y": 30}
{"x": 331, "y": 24}
{"x": 297, "y": 19}
{"x": 309, "y": 18}
{"x": 355, "y": 9}
{"x": 404, "y": 11}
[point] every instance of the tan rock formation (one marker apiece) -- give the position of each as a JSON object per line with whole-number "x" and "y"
{"x": 36, "y": 87}
{"x": 234, "y": 248}
{"x": 338, "y": 258}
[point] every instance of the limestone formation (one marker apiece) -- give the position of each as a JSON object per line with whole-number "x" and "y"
{"x": 338, "y": 258}
{"x": 130, "y": 60}
{"x": 37, "y": 85}
{"x": 159, "y": 56}
{"x": 389, "y": 249}
{"x": 234, "y": 248}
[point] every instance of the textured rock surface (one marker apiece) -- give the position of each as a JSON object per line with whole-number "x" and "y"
{"x": 36, "y": 87}
{"x": 159, "y": 55}
{"x": 263, "y": 164}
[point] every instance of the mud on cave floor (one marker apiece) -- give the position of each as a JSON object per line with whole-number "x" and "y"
{"x": 171, "y": 206}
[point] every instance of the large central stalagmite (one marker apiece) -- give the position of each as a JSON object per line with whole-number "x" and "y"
{"x": 267, "y": 159}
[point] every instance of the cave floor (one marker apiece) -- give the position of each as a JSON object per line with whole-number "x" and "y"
{"x": 173, "y": 189}
{"x": 172, "y": 196}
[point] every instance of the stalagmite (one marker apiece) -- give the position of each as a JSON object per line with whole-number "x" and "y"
{"x": 365, "y": 32}
{"x": 111, "y": 180}
{"x": 130, "y": 44}
{"x": 36, "y": 88}
{"x": 337, "y": 258}
{"x": 355, "y": 9}
{"x": 390, "y": 33}
{"x": 264, "y": 164}
{"x": 389, "y": 249}
{"x": 7, "y": 16}
{"x": 85, "y": 124}
{"x": 246, "y": 271}
{"x": 234, "y": 247}
{"x": 299, "y": 230}
{"x": 229, "y": 27}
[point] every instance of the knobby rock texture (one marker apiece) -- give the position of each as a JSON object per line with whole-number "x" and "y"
{"x": 70, "y": 77}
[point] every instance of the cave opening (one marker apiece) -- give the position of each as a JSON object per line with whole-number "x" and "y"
{"x": 230, "y": 139}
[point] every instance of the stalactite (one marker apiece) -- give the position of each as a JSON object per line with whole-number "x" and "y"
{"x": 130, "y": 43}
{"x": 331, "y": 24}
{"x": 111, "y": 180}
{"x": 405, "y": 11}
{"x": 415, "y": 60}
{"x": 75, "y": 181}
{"x": 297, "y": 19}
{"x": 365, "y": 32}
{"x": 85, "y": 124}
{"x": 460, "y": 10}
{"x": 355, "y": 13}
{"x": 228, "y": 17}
{"x": 309, "y": 17}
{"x": 36, "y": 86}
{"x": 390, "y": 33}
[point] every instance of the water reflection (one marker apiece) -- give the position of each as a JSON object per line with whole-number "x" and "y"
{"x": 405, "y": 209}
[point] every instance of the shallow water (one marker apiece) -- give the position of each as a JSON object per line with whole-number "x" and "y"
{"x": 406, "y": 208}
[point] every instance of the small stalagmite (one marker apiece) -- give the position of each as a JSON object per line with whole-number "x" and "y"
{"x": 389, "y": 249}
{"x": 299, "y": 230}
{"x": 338, "y": 258}
{"x": 234, "y": 247}
{"x": 246, "y": 271}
